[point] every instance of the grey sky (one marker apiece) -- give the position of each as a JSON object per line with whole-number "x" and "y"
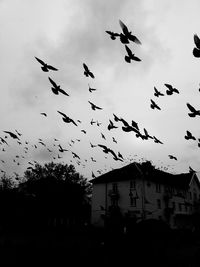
{"x": 66, "y": 34}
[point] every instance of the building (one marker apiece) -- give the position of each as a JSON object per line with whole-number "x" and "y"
{"x": 140, "y": 191}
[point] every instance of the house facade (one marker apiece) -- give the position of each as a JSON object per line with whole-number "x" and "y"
{"x": 140, "y": 192}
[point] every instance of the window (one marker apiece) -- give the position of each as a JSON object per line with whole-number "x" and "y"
{"x": 115, "y": 187}
{"x": 158, "y": 188}
{"x": 133, "y": 201}
{"x": 190, "y": 195}
{"x": 132, "y": 184}
{"x": 174, "y": 205}
{"x": 159, "y": 203}
{"x": 180, "y": 206}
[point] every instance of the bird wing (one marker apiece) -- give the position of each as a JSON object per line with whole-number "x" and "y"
{"x": 197, "y": 41}
{"x": 40, "y": 61}
{"x": 196, "y": 52}
{"x": 52, "y": 82}
{"x": 191, "y": 108}
{"x": 128, "y": 51}
{"x": 124, "y": 27}
{"x": 62, "y": 113}
{"x": 168, "y": 86}
{"x": 12, "y": 134}
{"x": 63, "y": 92}
{"x": 134, "y": 39}
{"x": 85, "y": 67}
{"x": 104, "y": 147}
{"x": 51, "y": 67}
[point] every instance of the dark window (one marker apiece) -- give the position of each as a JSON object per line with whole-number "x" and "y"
{"x": 158, "y": 188}
{"x": 133, "y": 201}
{"x": 114, "y": 187}
{"x": 180, "y": 206}
{"x": 159, "y": 203}
{"x": 132, "y": 184}
{"x": 174, "y": 205}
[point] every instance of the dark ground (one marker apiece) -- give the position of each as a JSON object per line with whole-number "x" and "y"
{"x": 97, "y": 248}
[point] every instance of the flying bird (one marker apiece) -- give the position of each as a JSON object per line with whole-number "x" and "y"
{"x": 83, "y": 131}
{"x": 146, "y": 135}
{"x": 134, "y": 124}
{"x": 43, "y": 113}
{"x": 45, "y": 67}
{"x": 18, "y": 133}
{"x": 103, "y": 136}
{"x": 111, "y": 125}
{"x": 154, "y": 105}
{"x": 93, "y": 106}
{"x": 114, "y": 140}
{"x": 56, "y": 88}
{"x": 172, "y": 157}
{"x": 116, "y": 118}
{"x": 170, "y": 89}
{"x": 127, "y": 35}
{"x": 113, "y": 35}
{"x": 66, "y": 118}
{"x": 87, "y": 72}
{"x": 196, "y": 50}
{"x": 194, "y": 112}
{"x": 156, "y": 140}
{"x": 130, "y": 56}
{"x": 157, "y": 93}
{"x": 91, "y": 89}
{"x": 14, "y": 136}
{"x": 108, "y": 150}
{"x": 189, "y": 136}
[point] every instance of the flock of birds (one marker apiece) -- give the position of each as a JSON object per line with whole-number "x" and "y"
{"x": 125, "y": 37}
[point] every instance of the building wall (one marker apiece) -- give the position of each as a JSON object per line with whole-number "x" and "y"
{"x": 155, "y": 204}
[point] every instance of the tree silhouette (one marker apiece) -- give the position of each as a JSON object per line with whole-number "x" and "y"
{"x": 61, "y": 193}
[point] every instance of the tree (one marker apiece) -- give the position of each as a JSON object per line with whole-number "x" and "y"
{"x": 62, "y": 194}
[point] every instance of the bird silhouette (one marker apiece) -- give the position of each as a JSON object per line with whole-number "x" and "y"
{"x": 87, "y": 72}
{"x": 189, "y": 136}
{"x": 66, "y": 118}
{"x": 196, "y": 50}
{"x": 75, "y": 155}
{"x": 92, "y": 145}
{"x": 157, "y": 93}
{"x": 171, "y": 89}
{"x": 3, "y": 141}
{"x": 103, "y": 136}
{"x": 134, "y": 124}
{"x": 146, "y": 135}
{"x": 93, "y": 106}
{"x": 111, "y": 125}
{"x": 14, "y": 136}
{"x": 61, "y": 149}
{"x": 156, "y": 140}
{"x": 154, "y": 105}
{"x": 43, "y": 113}
{"x": 83, "y": 131}
{"x": 130, "y": 56}
{"x": 114, "y": 140}
{"x": 194, "y": 112}
{"x": 113, "y": 35}
{"x": 45, "y": 67}
{"x": 92, "y": 121}
{"x": 91, "y": 89}
{"x": 108, "y": 150}
{"x": 127, "y": 35}
{"x": 172, "y": 157}
{"x": 116, "y": 118}
{"x": 18, "y": 133}
{"x": 56, "y": 88}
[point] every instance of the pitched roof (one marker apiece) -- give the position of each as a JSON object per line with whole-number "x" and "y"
{"x": 147, "y": 171}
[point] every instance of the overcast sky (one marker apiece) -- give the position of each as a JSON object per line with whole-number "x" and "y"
{"x": 66, "y": 34}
